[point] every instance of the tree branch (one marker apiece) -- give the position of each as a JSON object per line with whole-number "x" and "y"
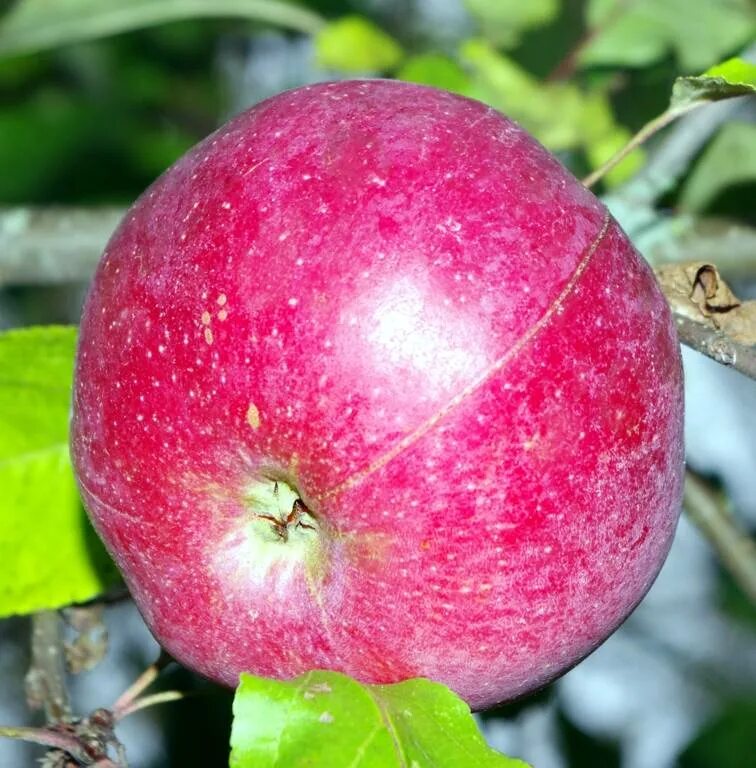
{"x": 716, "y": 344}
{"x": 733, "y": 545}
{"x": 46, "y": 678}
{"x": 53, "y": 245}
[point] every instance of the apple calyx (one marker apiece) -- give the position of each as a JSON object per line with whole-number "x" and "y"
{"x": 277, "y": 504}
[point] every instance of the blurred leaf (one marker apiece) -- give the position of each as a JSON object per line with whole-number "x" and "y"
{"x": 33, "y": 25}
{"x": 640, "y": 32}
{"x": 725, "y": 742}
{"x": 734, "y": 77}
{"x": 38, "y": 135}
{"x": 551, "y": 112}
{"x": 559, "y": 115}
{"x": 729, "y": 159}
{"x": 503, "y": 22}
{"x": 354, "y": 44}
{"x": 580, "y": 749}
{"x": 50, "y": 556}
{"x": 152, "y": 151}
{"x": 326, "y": 718}
{"x": 436, "y": 70}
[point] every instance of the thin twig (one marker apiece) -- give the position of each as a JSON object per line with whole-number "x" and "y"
{"x": 672, "y": 156}
{"x": 43, "y": 736}
{"x": 733, "y": 545}
{"x": 46, "y": 678}
{"x": 150, "y": 701}
{"x": 129, "y": 696}
{"x": 645, "y": 133}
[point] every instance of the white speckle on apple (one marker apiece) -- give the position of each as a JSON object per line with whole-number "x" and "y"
{"x": 326, "y": 717}
{"x": 208, "y": 336}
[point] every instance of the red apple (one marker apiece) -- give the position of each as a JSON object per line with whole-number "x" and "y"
{"x": 367, "y": 381}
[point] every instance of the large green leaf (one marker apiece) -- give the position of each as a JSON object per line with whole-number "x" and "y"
{"x": 734, "y": 77}
{"x": 50, "y": 556}
{"x": 325, "y": 718}
{"x": 33, "y": 25}
{"x": 640, "y": 32}
{"x": 503, "y": 22}
{"x": 354, "y": 44}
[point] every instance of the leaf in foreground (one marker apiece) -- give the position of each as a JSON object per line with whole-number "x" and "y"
{"x": 50, "y": 555}
{"x": 326, "y": 718}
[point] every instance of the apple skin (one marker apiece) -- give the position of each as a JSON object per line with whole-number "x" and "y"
{"x": 392, "y": 303}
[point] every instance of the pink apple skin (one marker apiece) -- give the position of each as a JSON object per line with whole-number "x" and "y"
{"x": 393, "y": 302}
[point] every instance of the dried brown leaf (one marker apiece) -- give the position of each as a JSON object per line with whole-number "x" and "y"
{"x": 696, "y": 290}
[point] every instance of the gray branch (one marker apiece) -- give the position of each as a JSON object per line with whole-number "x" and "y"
{"x": 46, "y": 678}
{"x": 717, "y": 345}
{"x": 733, "y": 545}
{"x": 53, "y": 245}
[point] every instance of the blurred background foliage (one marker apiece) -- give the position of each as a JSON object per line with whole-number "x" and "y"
{"x": 98, "y": 97}
{"x": 87, "y": 119}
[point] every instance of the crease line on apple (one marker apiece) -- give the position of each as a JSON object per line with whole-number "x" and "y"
{"x": 478, "y": 382}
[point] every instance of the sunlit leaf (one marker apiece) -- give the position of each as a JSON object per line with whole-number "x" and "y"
{"x": 643, "y": 31}
{"x": 50, "y": 556}
{"x": 734, "y": 77}
{"x": 503, "y": 22}
{"x": 355, "y": 44}
{"x": 325, "y": 718}
{"x": 729, "y": 159}
{"x": 33, "y": 25}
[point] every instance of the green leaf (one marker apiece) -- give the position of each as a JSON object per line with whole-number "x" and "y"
{"x": 504, "y": 21}
{"x": 729, "y": 159}
{"x": 436, "y": 70}
{"x": 643, "y": 31}
{"x": 33, "y": 25}
{"x": 50, "y": 556}
{"x": 325, "y": 718}
{"x": 734, "y": 77}
{"x": 354, "y": 44}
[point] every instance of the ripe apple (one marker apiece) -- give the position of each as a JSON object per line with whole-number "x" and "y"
{"x": 367, "y": 381}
